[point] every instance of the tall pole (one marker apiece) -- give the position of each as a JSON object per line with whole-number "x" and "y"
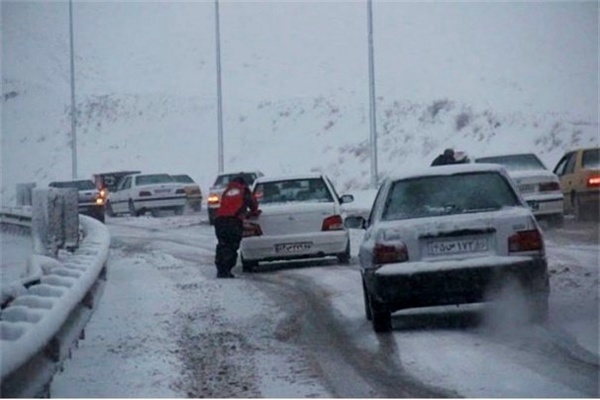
{"x": 73, "y": 111}
{"x": 372, "y": 105}
{"x": 219, "y": 97}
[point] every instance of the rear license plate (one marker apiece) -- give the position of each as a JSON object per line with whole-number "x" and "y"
{"x": 160, "y": 191}
{"x": 457, "y": 246}
{"x": 292, "y": 247}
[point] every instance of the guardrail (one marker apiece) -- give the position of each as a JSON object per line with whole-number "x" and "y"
{"x": 47, "y": 313}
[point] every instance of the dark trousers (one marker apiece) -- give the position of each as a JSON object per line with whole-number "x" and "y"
{"x": 229, "y": 234}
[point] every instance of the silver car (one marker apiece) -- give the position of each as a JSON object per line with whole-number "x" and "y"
{"x": 449, "y": 235}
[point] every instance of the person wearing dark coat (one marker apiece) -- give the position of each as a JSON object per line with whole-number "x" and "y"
{"x": 237, "y": 203}
{"x": 445, "y": 158}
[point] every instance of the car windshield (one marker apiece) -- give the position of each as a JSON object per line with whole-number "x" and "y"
{"x": 79, "y": 185}
{"x": 516, "y": 162}
{"x": 297, "y": 190}
{"x": 182, "y": 179}
{"x": 223, "y": 180}
{"x": 448, "y": 194}
{"x": 152, "y": 179}
{"x": 591, "y": 159}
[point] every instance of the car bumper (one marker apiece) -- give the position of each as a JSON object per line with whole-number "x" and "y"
{"x": 467, "y": 281}
{"x": 271, "y": 248}
{"x": 171, "y": 202}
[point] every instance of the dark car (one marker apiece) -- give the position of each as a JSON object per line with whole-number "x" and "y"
{"x": 91, "y": 200}
{"x": 450, "y": 235}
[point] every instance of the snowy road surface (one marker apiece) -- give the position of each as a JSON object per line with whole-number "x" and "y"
{"x": 165, "y": 327}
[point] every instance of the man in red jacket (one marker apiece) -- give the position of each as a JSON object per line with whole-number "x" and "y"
{"x": 236, "y": 203}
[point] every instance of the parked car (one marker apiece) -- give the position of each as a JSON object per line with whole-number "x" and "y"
{"x": 539, "y": 186}
{"x": 300, "y": 218}
{"x": 91, "y": 201}
{"x": 213, "y": 201}
{"x": 192, "y": 191}
{"x": 138, "y": 193}
{"x": 579, "y": 174}
{"x": 449, "y": 235}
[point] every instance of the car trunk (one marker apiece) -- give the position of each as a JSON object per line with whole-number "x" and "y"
{"x": 294, "y": 218}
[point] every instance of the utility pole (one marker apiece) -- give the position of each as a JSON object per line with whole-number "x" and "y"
{"x": 219, "y": 95}
{"x": 73, "y": 110}
{"x": 372, "y": 104}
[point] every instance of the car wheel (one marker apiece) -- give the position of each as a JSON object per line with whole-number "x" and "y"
{"x": 578, "y": 211}
{"x": 100, "y": 217}
{"x": 109, "y": 210}
{"x": 178, "y": 210}
{"x": 381, "y": 317}
{"x": 367, "y": 302}
{"x": 132, "y": 210}
{"x": 249, "y": 266}
{"x": 155, "y": 212}
{"x": 344, "y": 258}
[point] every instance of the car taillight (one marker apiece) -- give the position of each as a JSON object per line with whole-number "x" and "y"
{"x": 593, "y": 181}
{"x": 392, "y": 252}
{"x": 525, "y": 241}
{"x": 549, "y": 187}
{"x": 333, "y": 223}
{"x": 212, "y": 199}
{"x": 145, "y": 193}
{"x": 251, "y": 229}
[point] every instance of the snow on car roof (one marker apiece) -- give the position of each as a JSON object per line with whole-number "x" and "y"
{"x": 447, "y": 170}
{"x": 310, "y": 175}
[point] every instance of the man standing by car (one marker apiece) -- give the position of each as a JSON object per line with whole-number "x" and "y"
{"x": 236, "y": 203}
{"x": 444, "y": 159}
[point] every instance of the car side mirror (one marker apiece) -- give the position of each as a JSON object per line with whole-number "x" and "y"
{"x": 355, "y": 222}
{"x": 347, "y": 198}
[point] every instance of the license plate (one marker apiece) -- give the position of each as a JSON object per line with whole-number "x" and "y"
{"x": 457, "y": 246}
{"x": 527, "y": 188}
{"x": 292, "y": 247}
{"x": 160, "y": 191}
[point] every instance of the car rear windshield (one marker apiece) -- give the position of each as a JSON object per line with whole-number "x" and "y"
{"x": 152, "y": 179}
{"x": 223, "y": 180}
{"x": 516, "y": 162}
{"x": 297, "y": 190}
{"x": 591, "y": 159}
{"x": 79, "y": 185}
{"x": 448, "y": 194}
{"x": 182, "y": 179}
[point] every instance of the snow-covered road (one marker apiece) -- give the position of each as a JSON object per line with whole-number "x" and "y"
{"x": 166, "y": 327}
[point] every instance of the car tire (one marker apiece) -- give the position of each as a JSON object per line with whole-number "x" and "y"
{"x": 109, "y": 209}
{"x": 178, "y": 210}
{"x": 249, "y": 266}
{"x": 132, "y": 210}
{"x": 155, "y": 212}
{"x": 381, "y": 317}
{"x": 578, "y": 211}
{"x": 344, "y": 258}
{"x": 367, "y": 302}
{"x": 100, "y": 217}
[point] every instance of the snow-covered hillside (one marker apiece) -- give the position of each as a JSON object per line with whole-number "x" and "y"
{"x": 296, "y": 92}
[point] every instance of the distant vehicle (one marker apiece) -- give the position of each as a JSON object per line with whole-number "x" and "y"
{"x": 192, "y": 191}
{"x": 138, "y": 193}
{"x": 449, "y": 235}
{"x": 539, "y": 186}
{"x": 91, "y": 200}
{"x": 579, "y": 174}
{"x": 216, "y": 190}
{"x": 300, "y": 218}
{"x": 108, "y": 181}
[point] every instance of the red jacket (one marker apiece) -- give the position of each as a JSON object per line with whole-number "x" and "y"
{"x": 236, "y": 200}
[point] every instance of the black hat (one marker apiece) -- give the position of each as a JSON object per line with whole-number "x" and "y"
{"x": 449, "y": 153}
{"x": 239, "y": 179}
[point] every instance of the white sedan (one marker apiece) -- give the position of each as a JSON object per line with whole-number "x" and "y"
{"x": 301, "y": 218}
{"x": 453, "y": 234}
{"x": 539, "y": 186}
{"x": 138, "y": 193}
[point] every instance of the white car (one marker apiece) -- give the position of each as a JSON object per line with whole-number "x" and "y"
{"x": 450, "y": 235}
{"x": 539, "y": 186}
{"x": 301, "y": 218}
{"x": 138, "y": 193}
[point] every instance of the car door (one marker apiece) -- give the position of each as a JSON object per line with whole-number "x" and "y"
{"x": 565, "y": 169}
{"x": 120, "y": 196}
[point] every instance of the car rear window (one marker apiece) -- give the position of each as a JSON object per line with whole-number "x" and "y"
{"x": 448, "y": 194}
{"x": 516, "y": 162}
{"x": 79, "y": 185}
{"x": 152, "y": 179}
{"x": 591, "y": 159}
{"x": 182, "y": 179}
{"x": 296, "y": 190}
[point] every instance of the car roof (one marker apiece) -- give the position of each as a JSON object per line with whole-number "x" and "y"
{"x": 506, "y": 155}
{"x": 448, "y": 170}
{"x": 288, "y": 177}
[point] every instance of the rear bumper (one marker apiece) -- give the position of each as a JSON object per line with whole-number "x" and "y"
{"x": 322, "y": 244}
{"x": 466, "y": 282}
{"x": 171, "y": 202}
{"x": 546, "y": 206}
